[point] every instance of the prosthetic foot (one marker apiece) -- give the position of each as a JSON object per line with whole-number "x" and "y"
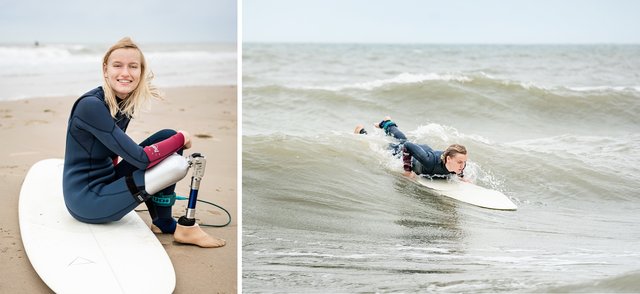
{"x": 195, "y": 235}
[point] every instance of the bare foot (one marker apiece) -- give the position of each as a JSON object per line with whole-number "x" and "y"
{"x": 359, "y": 129}
{"x": 155, "y": 229}
{"x": 386, "y": 118}
{"x": 195, "y": 235}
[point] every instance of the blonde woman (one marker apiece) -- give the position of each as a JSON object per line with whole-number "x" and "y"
{"x": 422, "y": 159}
{"x": 98, "y": 188}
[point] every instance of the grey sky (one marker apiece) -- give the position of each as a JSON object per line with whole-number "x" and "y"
{"x": 456, "y": 21}
{"x": 79, "y": 21}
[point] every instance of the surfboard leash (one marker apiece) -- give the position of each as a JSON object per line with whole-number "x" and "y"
{"x": 207, "y": 202}
{"x": 210, "y": 203}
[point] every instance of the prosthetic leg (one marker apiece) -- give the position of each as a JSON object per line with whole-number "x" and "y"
{"x": 168, "y": 172}
{"x": 187, "y": 230}
{"x": 198, "y": 163}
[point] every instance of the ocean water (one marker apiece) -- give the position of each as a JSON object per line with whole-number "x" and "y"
{"x": 73, "y": 69}
{"x": 555, "y": 128}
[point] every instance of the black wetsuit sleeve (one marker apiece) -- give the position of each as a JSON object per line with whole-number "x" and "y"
{"x": 93, "y": 116}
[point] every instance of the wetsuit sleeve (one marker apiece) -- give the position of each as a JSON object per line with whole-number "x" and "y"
{"x": 93, "y": 116}
{"x": 161, "y": 150}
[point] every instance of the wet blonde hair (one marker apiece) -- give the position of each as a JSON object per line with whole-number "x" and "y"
{"x": 452, "y": 151}
{"x": 140, "y": 95}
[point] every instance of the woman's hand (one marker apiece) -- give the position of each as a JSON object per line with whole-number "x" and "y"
{"x": 187, "y": 139}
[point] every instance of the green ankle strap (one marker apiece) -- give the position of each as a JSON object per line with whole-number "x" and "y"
{"x": 164, "y": 199}
{"x": 386, "y": 124}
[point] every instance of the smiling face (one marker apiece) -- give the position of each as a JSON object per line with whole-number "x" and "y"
{"x": 122, "y": 71}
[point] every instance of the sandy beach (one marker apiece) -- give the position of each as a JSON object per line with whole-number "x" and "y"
{"x": 34, "y": 129}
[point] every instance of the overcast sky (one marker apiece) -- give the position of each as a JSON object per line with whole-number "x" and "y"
{"x": 87, "y": 21}
{"x": 454, "y": 21}
{"x": 350, "y": 21}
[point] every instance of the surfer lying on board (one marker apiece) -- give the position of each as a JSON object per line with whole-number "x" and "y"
{"x": 422, "y": 159}
{"x": 99, "y": 189}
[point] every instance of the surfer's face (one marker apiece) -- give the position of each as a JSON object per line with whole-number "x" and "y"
{"x": 456, "y": 163}
{"x": 122, "y": 71}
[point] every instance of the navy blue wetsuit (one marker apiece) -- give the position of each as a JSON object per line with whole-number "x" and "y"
{"x": 95, "y": 188}
{"x": 421, "y": 159}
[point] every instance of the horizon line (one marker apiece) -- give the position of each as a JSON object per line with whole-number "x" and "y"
{"x": 437, "y": 43}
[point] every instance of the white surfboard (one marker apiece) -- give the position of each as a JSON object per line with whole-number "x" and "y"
{"x": 75, "y": 257}
{"x": 469, "y": 193}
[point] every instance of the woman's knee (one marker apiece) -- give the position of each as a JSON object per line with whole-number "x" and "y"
{"x": 164, "y": 134}
{"x": 158, "y": 136}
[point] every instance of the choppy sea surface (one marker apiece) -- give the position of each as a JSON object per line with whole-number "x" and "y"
{"x": 27, "y": 70}
{"x": 555, "y": 128}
